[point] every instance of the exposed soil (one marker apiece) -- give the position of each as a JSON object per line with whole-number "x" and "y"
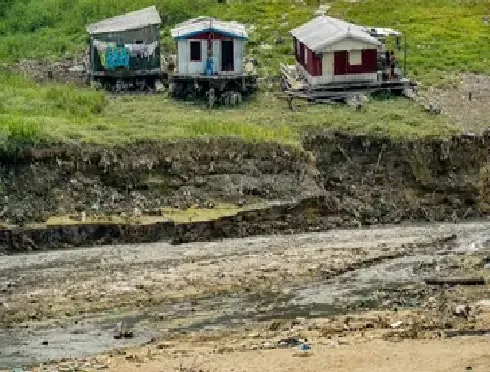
{"x": 227, "y": 303}
{"x": 466, "y": 103}
{"x": 366, "y": 180}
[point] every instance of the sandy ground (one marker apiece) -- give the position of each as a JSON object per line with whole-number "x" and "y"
{"x": 378, "y": 356}
{"x": 470, "y": 114}
{"x": 240, "y": 297}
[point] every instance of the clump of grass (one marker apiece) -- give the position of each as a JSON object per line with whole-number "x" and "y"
{"x": 17, "y": 133}
{"x": 75, "y": 101}
{"x": 29, "y": 111}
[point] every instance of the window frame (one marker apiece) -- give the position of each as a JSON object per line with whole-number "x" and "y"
{"x": 358, "y": 60}
{"x": 190, "y": 50}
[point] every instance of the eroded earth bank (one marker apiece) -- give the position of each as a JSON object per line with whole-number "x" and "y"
{"x": 77, "y": 196}
{"x": 363, "y": 222}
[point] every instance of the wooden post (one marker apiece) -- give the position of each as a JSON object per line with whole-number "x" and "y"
{"x": 405, "y": 56}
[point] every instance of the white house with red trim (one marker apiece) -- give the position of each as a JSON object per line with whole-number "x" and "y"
{"x": 330, "y": 50}
{"x": 209, "y": 46}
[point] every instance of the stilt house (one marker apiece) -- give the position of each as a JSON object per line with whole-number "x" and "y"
{"x": 207, "y": 46}
{"x": 126, "y": 45}
{"x": 330, "y": 50}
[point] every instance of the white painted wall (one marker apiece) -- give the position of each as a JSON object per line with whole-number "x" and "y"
{"x": 349, "y": 44}
{"x": 238, "y": 54}
{"x": 183, "y": 56}
{"x": 186, "y": 67}
{"x": 371, "y": 77}
{"x": 194, "y": 68}
{"x": 217, "y": 55}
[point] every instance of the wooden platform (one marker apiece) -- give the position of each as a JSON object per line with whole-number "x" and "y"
{"x": 202, "y": 77}
{"x": 294, "y": 86}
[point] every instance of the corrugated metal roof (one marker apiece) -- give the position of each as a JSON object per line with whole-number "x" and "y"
{"x": 205, "y": 24}
{"x": 130, "y": 21}
{"x": 323, "y": 31}
{"x": 381, "y": 31}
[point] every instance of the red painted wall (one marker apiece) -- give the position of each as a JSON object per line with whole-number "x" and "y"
{"x": 342, "y": 67}
{"x": 295, "y": 48}
{"x": 313, "y": 63}
{"x": 209, "y": 35}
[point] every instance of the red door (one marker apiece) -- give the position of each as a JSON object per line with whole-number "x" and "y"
{"x": 340, "y": 63}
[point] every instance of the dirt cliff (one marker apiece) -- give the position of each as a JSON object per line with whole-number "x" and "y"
{"x": 335, "y": 180}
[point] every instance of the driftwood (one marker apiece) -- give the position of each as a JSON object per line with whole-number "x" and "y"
{"x": 469, "y": 332}
{"x": 455, "y": 281}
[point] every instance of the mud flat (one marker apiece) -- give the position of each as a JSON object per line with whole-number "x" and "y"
{"x": 237, "y": 295}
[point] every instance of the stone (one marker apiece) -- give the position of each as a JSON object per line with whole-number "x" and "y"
{"x": 268, "y": 345}
{"x": 279, "y": 40}
{"x": 123, "y": 330}
{"x": 396, "y": 324}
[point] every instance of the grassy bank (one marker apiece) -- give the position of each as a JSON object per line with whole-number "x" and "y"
{"x": 31, "y": 113}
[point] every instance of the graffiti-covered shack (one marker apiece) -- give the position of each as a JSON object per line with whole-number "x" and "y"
{"x": 126, "y": 49}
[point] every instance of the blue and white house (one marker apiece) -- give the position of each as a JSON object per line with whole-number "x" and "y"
{"x": 207, "y": 46}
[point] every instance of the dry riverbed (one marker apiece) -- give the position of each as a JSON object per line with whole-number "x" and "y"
{"x": 227, "y": 304}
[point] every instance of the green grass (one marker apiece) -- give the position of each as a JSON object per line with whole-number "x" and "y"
{"x": 31, "y": 113}
{"x": 445, "y": 37}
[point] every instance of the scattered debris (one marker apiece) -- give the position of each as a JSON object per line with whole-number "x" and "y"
{"x": 290, "y": 342}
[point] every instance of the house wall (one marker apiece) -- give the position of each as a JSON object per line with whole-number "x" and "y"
{"x": 238, "y": 54}
{"x": 305, "y": 57}
{"x": 135, "y": 50}
{"x": 349, "y": 44}
{"x": 343, "y": 66}
{"x": 188, "y": 67}
{"x": 323, "y": 70}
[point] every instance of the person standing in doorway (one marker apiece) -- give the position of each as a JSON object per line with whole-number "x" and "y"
{"x": 392, "y": 64}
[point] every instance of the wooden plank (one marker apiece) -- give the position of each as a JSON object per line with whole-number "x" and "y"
{"x": 455, "y": 281}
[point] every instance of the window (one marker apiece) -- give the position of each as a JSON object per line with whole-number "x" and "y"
{"x": 355, "y": 58}
{"x": 196, "y": 51}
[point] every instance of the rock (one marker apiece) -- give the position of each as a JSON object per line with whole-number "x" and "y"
{"x": 268, "y": 345}
{"x": 483, "y": 303}
{"x": 396, "y": 324}
{"x": 289, "y": 342}
{"x": 279, "y": 40}
{"x": 164, "y": 345}
{"x": 123, "y": 330}
{"x": 462, "y": 310}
